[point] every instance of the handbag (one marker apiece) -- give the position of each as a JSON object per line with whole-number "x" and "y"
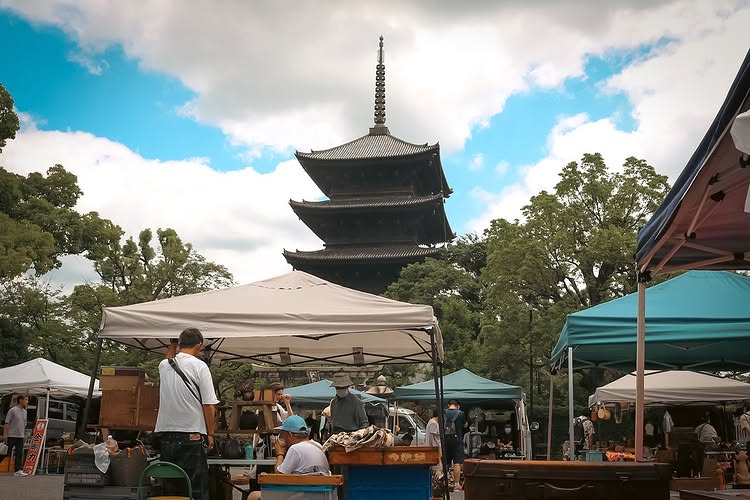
{"x": 232, "y": 449}
{"x": 3, "y": 449}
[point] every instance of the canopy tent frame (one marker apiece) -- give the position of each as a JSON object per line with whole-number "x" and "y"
{"x": 429, "y": 348}
{"x": 706, "y": 173}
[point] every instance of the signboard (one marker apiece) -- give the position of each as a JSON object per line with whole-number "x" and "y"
{"x": 36, "y": 446}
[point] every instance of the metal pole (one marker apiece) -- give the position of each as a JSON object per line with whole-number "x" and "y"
{"x": 439, "y": 403}
{"x": 87, "y": 406}
{"x": 640, "y": 367}
{"x": 549, "y": 418}
{"x": 571, "y": 416}
{"x": 531, "y": 367}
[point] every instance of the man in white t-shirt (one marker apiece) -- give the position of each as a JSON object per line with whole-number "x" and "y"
{"x": 185, "y": 422}
{"x": 296, "y": 453}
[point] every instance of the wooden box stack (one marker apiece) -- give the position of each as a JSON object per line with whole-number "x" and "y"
{"x": 128, "y": 401}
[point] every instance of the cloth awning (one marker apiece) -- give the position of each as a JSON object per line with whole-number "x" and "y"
{"x": 673, "y": 387}
{"x": 320, "y": 394}
{"x": 40, "y": 375}
{"x": 463, "y": 386}
{"x": 700, "y": 319}
{"x": 291, "y": 319}
{"x": 704, "y": 222}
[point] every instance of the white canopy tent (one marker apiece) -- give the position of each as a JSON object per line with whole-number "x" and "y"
{"x": 40, "y": 376}
{"x": 291, "y": 319}
{"x": 673, "y": 387}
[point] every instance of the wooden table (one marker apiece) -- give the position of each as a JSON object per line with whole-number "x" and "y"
{"x": 220, "y": 475}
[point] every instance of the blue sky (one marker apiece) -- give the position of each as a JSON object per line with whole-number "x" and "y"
{"x": 246, "y": 91}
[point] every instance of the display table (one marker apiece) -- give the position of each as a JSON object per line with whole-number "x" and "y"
{"x": 395, "y": 473}
{"x": 494, "y": 479}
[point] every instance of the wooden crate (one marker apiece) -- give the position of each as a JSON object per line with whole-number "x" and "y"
{"x": 128, "y": 403}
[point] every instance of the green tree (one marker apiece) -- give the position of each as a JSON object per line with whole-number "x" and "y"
{"x": 9, "y": 123}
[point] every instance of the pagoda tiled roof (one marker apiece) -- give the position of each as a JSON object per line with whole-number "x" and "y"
{"x": 370, "y": 146}
{"x": 372, "y": 253}
{"x": 395, "y": 201}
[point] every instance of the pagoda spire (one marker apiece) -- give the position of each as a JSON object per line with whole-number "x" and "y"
{"x": 380, "y": 127}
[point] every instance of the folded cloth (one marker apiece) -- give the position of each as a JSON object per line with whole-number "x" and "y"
{"x": 369, "y": 437}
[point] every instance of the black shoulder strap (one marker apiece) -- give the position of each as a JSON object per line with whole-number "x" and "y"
{"x": 176, "y": 367}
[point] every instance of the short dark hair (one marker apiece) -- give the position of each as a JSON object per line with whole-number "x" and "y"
{"x": 452, "y": 402}
{"x": 21, "y": 397}
{"x": 407, "y": 437}
{"x": 275, "y": 386}
{"x": 190, "y": 337}
{"x": 435, "y": 412}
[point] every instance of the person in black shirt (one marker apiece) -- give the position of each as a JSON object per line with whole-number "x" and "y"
{"x": 455, "y": 422}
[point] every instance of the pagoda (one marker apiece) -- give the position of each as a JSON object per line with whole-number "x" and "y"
{"x": 385, "y": 206}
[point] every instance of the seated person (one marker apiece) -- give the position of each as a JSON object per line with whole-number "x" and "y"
{"x": 296, "y": 453}
{"x": 405, "y": 440}
{"x": 707, "y": 433}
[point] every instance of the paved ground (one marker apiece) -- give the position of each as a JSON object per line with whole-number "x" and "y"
{"x": 51, "y": 488}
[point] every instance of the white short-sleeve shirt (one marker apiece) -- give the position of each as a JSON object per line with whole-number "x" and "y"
{"x": 179, "y": 410}
{"x": 305, "y": 457}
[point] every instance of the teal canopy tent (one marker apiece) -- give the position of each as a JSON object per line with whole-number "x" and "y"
{"x": 698, "y": 320}
{"x": 463, "y": 386}
{"x": 320, "y": 394}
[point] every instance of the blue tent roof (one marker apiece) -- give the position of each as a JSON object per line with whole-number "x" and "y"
{"x": 321, "y": 393}
{"x": 463, "y": 386}
{"x": 698, "y": 320}
{"x": 702, "y": 223}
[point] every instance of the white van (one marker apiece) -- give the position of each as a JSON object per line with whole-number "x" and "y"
{"x": 408, "y": 423}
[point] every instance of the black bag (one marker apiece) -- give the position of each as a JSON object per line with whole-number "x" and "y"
{"x": 231, "y": 448}
{"x": 450, "y": 425}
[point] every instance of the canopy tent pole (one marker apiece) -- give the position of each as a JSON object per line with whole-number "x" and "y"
{"x": 549, "y": 418}
{"x": 87, "y": 406}
{"x": 640, "y": 369}
{"x": 439, "y": 401}
{"x": 571, "y": 416}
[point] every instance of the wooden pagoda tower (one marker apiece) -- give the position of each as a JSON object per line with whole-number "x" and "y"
{"x": 385, "y": 208}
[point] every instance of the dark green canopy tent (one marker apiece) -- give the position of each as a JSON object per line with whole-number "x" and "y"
{"x": 321, "y": 393}
{"x": 699, "y": 320}
{"x": 463, "y": 386}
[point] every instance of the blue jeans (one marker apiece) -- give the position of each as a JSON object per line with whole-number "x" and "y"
{"x": 190, "y": 455}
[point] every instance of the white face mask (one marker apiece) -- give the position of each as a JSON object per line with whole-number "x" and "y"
{"x": 507, "y": 430}
{"x": 342, "y": 392}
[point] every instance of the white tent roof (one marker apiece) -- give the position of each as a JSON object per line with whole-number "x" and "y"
{"x": 290, "y": 319}
{"x": 676, "y": 387}
{"x": 38, "y": 375}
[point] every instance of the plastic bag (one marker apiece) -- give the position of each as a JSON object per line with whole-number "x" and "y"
{"x": 101, "y": 457}
{"x": 3, "y": 449}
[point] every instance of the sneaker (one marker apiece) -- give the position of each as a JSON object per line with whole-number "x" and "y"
{"x": 20, "y": 473}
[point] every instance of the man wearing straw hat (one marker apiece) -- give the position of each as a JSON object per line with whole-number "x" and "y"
{"x": 347, "y": 410}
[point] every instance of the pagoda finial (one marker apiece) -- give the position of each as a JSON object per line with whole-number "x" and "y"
{"x": 380, "y": 87}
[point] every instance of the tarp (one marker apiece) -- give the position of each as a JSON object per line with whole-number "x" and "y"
{"x": 703, "y": 223}
{"x": 320, "y": 394}
{"x": 698, "y": 320}
{"x": 290, "y": 319}
{"x": 673, "y": 387}
{"x": 39, "y": 375}
{"x": 463, "y": 386}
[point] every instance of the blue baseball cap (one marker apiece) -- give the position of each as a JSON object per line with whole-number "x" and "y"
{"x": 294, "y": 424}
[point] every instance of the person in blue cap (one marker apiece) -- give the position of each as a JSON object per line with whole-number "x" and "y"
{"x": 296, "y": 453}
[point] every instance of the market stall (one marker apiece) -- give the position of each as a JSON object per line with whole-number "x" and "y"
{"x": 45, "y": 381}
{"x": 704, "y": 222}
{"x": 291, "y": 319}
{"x": 480, "y": 398}
{"x": 698, "y": 320}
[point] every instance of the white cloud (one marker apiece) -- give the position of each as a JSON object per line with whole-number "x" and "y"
{"x": 92, "y": 65}
{"x": 477, "y": 162}
{"x": 240, "y": 219}
{"x": 289, "y": 74}
{"x": 502, "y": 168}
{"x": 675, "y": 92}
